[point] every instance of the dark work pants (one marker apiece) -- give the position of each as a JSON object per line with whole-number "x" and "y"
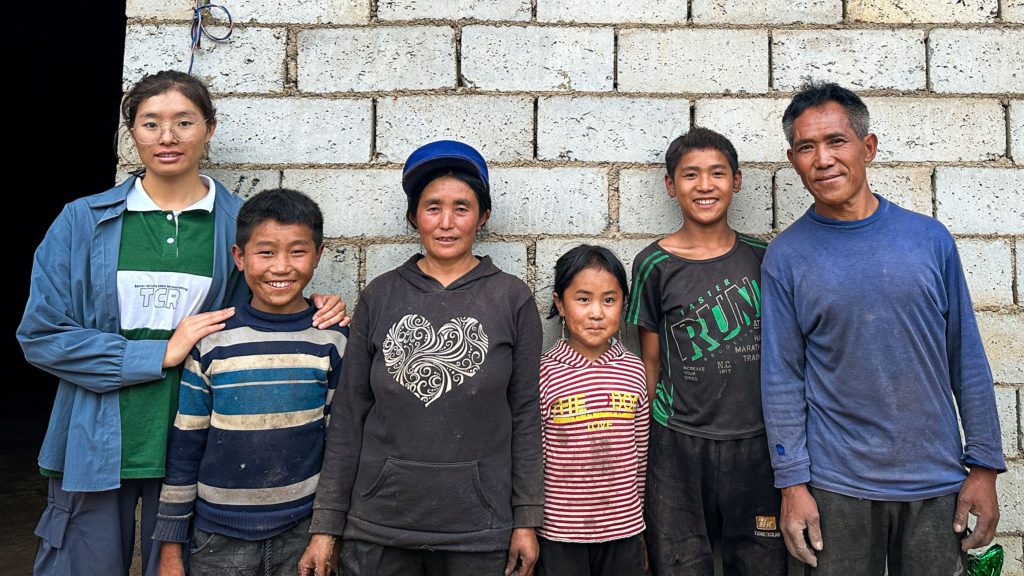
{"x": 219, "y": 555}
{"x": 622, "y": 557}
{"x": 705, "y": 494}
{"x": 359, "y": 558}
{"x": 863, "y": 537}
{"x": 93, "y": 533}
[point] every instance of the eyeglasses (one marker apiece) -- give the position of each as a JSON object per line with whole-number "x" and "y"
{"x": 149, "y": 132}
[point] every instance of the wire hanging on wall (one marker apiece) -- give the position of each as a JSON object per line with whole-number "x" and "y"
{"x": 199, "y": 30}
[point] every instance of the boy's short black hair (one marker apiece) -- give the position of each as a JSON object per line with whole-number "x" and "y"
{"x": 812, "y": 95}
{"x": 700, "y": 139}
{"x": 282, "y": 205}
{"x": 579, "y": 259}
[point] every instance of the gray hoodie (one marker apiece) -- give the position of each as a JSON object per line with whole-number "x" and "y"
{"x": 434, "y": 439}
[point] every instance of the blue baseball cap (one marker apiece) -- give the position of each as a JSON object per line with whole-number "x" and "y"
{"x": 437, "y": 155}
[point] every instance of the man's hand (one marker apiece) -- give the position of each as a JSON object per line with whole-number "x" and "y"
{"x": 321, "y": 556}
{"x": 523, "y": 551}
{"x": 978, "y": 497}
{"x": 800, "y": 517}
{"x": 170, "y": 559}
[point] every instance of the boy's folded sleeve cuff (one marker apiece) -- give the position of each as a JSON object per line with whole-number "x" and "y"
{"x": 171, "y": 529}
{"x": 328, "y": 522}
{"x": 527, "y": 516}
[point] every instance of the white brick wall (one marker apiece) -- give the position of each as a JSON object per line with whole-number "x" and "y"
{"x": 1013, "y": 10}
{"x": 537, "y": 58}
{"x": 977, "y": 60}
{"x": 902, "y": 12}
{"x": 549, "y": 201}
{"x": 500, "y": 127}
{"x": 980, "y": 200}
{"x": 355, "y": 202}
{"x": 255, "y": 57}
{"x": 573, "y": 103}
{"x": 859, "y": 59}
{"x": 937, "y": 129}
{"x": 753, "y": 126}
{"x": 1006, "y": 399}
{"x": 1001, "y": 335}
{"x": 612, "y": 11}
{"x": 276, "y": 130}
{"x": 1010, "y": 486}
{"x": 517, "y": 10}
{"x": 245, "y": 182}
{"x": 693, "y": 60}
{"x": 987, "y": 265}
{"x": 369, "y": 59}
{"x": 608, "y": 129}
{"x": 337, "y": 273}
{"x": 766, "y": 11}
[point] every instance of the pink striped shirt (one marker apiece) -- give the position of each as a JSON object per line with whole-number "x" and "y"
{"x": 594, "y": 428}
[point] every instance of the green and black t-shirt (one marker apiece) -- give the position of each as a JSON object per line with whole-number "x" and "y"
{"x": 707, "y": 314}
{"x": 164, "y": 273}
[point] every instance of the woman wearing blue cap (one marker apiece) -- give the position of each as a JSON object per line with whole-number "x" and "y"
{"x": 433, "y": 463}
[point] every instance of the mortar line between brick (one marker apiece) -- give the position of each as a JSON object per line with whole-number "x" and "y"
{"x": 533, "y": 11}
{"x": 536, "y": 126}
{"x": 1009, "y": 133}
{"x": 843, "y": 7}
{"x": 373, "y": 130}
{"x": 458, "y": 58}
{"x": 928, "y": 60}
{"x": 374, "y": 16}
{"x": 935, "y": 195}
{"x": 1015, "y": 262}
{"x": 771, "y": 68}
{"x": 615, "y": 59}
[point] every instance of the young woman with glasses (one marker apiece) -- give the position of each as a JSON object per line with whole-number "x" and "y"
{"x": 123, "y": 286}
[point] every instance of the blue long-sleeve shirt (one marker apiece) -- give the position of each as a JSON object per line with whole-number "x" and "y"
{"x": 71, "y": 329}
{"x": 869, "y": 337}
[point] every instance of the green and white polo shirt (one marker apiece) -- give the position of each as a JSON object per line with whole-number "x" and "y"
{"x": 164, "y": 273}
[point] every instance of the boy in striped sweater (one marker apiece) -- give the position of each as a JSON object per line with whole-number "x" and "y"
{"x": 697, "y": 301}
{"x": 244, "y": 455}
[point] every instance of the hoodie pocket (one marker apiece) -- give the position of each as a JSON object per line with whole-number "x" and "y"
{"x": 428, "y": 497}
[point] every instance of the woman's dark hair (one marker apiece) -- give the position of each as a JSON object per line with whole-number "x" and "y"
{"x": 479, "y": 187}
{"x": 579, "y": 259}
{"x": 282, "y": 205}
{"x": 167, "y": 81}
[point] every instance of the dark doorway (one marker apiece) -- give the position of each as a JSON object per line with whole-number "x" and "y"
{"x": 66, "y": 86}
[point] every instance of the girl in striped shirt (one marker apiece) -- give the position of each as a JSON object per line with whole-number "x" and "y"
{"x": 594, "y": 409}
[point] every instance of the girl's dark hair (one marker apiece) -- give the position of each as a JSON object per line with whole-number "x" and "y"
{"x": 166, "y": 81}
{"x": 479, "y": 187}
{"x": 580, "y": 258}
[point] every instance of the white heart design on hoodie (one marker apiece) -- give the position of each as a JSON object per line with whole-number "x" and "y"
{"x": 430, "y": 364}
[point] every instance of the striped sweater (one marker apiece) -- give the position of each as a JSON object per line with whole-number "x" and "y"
{"x": 594, "y": 425}
{"x": 248, "y": 440}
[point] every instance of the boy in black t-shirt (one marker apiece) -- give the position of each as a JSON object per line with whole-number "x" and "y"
{"x": 697, "y": 302}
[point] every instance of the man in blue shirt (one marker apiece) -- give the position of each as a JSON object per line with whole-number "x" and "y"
{"x": 870, "y": 352}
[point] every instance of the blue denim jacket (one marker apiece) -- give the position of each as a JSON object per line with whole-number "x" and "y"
{"x": 71, "y": 329}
